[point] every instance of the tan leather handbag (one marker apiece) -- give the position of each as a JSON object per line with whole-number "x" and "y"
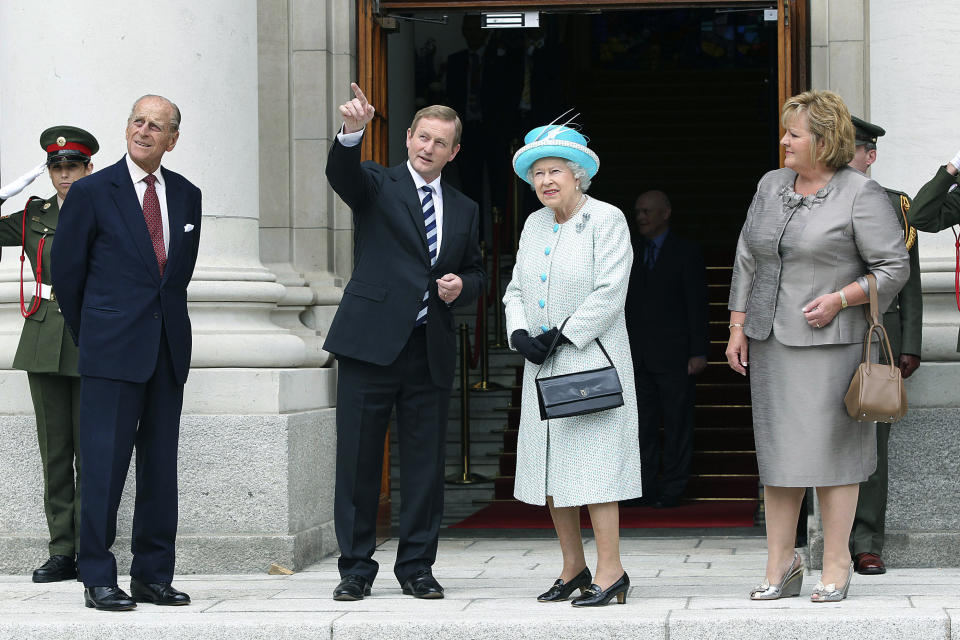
{"x": 876, "y": 393}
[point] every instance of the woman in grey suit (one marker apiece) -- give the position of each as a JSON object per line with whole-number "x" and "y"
{"x": 813, "y": 232}
{"x": 573, "y": 264}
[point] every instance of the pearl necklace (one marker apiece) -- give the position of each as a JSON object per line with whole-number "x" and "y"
{"x": 580, "y": 203}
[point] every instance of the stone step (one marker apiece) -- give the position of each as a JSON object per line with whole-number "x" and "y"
{"x": 682, "y": 588}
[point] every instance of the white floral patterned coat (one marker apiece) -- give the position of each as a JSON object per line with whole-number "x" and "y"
{"x": 578, "y": 269}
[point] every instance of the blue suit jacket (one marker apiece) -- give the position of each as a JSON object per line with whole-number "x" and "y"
{"x": 107, "y": 281}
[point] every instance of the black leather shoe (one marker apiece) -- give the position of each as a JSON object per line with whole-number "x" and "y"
{"x": 423, "y": 585}
{"x": 161, "y": 593}
{"x": 108, "y": 599}
{"x": 560, "y": 591}
{"x": 597, "y": 597}
{"x": 351, "y": 587}
{"x": 55, "y": 569}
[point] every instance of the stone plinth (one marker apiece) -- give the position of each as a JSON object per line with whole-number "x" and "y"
{"x": 255, "y": 474}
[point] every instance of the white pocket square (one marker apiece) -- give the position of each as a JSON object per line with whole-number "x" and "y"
{"x": 187, "y": 228}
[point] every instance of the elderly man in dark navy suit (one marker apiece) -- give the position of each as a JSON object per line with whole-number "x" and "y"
{"x": 416, "y": 255}
{"x": 121, "y": 280}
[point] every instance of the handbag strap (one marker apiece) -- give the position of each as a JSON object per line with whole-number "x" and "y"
{"x": 885, "y": 349}
{"x": 556, "y": 339}
{"x": 873, "y": 314}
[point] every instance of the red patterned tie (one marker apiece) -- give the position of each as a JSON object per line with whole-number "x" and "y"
{"x": 151, "y": 213}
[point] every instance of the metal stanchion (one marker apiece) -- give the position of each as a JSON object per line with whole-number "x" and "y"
{"x": 483, "y": 343}
{"x": 465, "y": 476}
{"x": 517, "y": 185}
{"x": 498, "y": 340}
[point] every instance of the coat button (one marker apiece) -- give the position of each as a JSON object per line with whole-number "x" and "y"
{"x": 544, "y": 328}
{"x": 556, "y": 227}
{"x": 156, "y": 315}
{"x": 543, "y": 277}
{"x": 543, "y": 303}
{"x": 546, "y": 251}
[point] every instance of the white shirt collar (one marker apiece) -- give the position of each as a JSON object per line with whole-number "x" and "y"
{"x": 137, "y": 174}
{"x": 419, "y": 181}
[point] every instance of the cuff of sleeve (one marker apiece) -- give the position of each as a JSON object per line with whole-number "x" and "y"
{"x": 350, "y": 139}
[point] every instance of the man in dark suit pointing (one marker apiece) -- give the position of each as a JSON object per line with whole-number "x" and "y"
{"x": 416, "y": 255}
{"x": 133, "y": 231}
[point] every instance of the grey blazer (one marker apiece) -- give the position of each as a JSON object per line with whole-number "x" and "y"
{"x": 853, "y": 230}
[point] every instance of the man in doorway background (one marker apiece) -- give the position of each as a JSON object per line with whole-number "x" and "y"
{"x": 416, "y": 256}
{"x": 667, "y": 322}
{"x": 903, "y": 322}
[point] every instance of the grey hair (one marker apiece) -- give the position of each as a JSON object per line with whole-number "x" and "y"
{"x": 174, "y": 121}
{"x": 579, "y": 173}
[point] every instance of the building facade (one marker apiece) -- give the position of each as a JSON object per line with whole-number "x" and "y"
{"x": 258, "y": 83}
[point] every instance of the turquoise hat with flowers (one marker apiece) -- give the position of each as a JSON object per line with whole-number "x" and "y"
{"x": 554, "y": 141}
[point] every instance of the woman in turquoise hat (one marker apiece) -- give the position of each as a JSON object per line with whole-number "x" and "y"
{"x": 573, "y": 265}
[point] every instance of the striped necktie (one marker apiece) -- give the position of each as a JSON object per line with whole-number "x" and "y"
{"x": 430, "y": 223}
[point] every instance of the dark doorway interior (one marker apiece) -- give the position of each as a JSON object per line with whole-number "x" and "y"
{"x": 682, "y": 100}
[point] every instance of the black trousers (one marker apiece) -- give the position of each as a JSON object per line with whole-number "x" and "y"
{"x": 115, "y": 417}
{"x": 665, "y": 398}
{"x": 366, "y": 395}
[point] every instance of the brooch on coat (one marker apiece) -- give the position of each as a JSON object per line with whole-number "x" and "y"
{"x": 584, "y": 219}
{"x": 792, "y": 199}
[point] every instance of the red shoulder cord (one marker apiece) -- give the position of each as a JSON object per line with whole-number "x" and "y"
{"x": 956, "y": 268}
{"x": 35, "y": 303}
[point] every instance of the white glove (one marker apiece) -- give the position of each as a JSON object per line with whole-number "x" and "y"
{"x": 956, "y": 161}
{"x": 18, "y": 185}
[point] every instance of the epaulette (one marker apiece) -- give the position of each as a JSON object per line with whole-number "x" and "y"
{"x": 909, "y": 232}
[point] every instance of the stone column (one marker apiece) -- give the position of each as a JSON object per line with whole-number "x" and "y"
{"x": 901, "y": 65}
{"x": 914, "y": 95}
{"x": 256, "y": 437}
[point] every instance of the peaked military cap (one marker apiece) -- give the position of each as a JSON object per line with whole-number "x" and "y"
{"x": 68, "y": 144}
{"x": 866, "y": 131}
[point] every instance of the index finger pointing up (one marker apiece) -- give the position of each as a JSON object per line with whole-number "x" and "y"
{"x": 357, "y": 92}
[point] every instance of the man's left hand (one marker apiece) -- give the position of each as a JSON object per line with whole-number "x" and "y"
{"x": 696, "y": 364}
{"x": 908, "y": 363}
{"x": 449, "y": 287}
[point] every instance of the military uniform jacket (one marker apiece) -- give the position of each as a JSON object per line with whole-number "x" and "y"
{"x": 903, "y": 320}
{"x": 45, "y": 345}
{"x": 936, "y": 206}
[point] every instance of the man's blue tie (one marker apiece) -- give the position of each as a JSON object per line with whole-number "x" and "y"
{"x": 430, "y": 222}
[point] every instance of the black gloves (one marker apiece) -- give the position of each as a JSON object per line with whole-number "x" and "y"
{"x": 546, "y": 339}
{"x": 531, "y": 348}
{"x": 535, "y": 349}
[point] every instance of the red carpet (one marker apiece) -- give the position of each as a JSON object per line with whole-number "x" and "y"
{"x": 517, "y": 515}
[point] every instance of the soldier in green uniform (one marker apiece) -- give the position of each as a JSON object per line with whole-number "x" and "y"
{"x": 46, "y": 351}
{"x": 903, "y": 322}
{"x": 937, "y": 205}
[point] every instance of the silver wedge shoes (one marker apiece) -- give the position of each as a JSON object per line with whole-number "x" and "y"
{"x": 830, "y": 593}
{"x": 788, "y": 586}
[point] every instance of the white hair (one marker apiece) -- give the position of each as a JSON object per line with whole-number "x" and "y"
{"x": 579, "y": 173}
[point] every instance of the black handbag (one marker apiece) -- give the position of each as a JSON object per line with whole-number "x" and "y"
{"x": 579, "y": 393}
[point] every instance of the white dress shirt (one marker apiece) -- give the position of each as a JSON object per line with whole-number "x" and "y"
{"x": 137, "y": 175}
{"x": 353, "y": 139}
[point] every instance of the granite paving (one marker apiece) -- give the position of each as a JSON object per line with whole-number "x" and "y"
{"x": 691, "y": 587}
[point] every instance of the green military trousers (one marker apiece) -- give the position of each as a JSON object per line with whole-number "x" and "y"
{"x": 869, "y": 524}
{"x": 56, "y": 401}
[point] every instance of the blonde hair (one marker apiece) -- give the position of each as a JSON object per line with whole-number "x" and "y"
{"x": 829, "y": 122}
{"x": 440, "y": 112}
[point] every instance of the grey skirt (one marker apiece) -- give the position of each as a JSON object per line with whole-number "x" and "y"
{"x": 804, "y": 437}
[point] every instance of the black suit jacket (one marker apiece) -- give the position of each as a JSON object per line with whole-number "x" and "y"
{"x": 107, "y": 281}
{"x": 666, "y": 308}
{"x": 392, "y": 264}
